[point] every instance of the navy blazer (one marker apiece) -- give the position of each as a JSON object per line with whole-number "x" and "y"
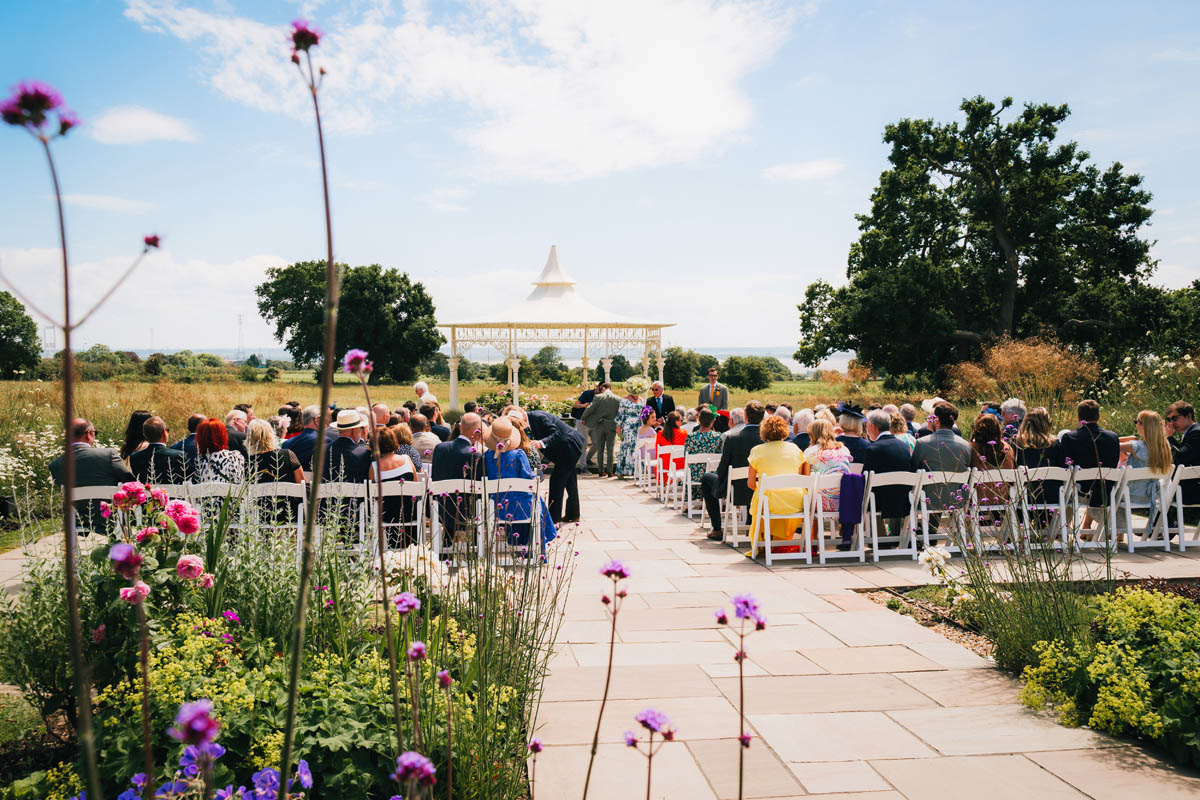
{"x": 347, "y": 460}
{"x": 1186, "y": 453}
{"x": 662, "y": 405}
{"x": 735, "y": 453}
{"x": 157, "y": 463}
{"x": 801, "y": 440}
{"x": 561, "y": 443}
{"x": 302, "y": 446}
{"x": 454, "y": 460}
{"x": 1088, "y": 447}
{"x": 440, "y": 431}
{"x": 857, "y": 445}
{"x": 889, "y": 454}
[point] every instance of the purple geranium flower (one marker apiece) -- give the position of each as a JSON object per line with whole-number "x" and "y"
{"x": 304, "y": 774}
{"x": 266, "y": 783}
{"x": 196, "y": 757}
{"x": 615, "y": 569}
{"x": 412, "y": 766}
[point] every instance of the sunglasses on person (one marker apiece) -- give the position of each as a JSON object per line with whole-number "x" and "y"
{"x": 1174, "y": 417}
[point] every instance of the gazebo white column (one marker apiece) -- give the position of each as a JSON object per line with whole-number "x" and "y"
{"x": 587, "y": 376}
{"x": 606, "y": 362}
{"x": 661, "y": 363}
{"x": 452, "y": 362}
{"x": 514, "y": 367}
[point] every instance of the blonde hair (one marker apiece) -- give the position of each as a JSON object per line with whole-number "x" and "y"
{"x": 851, "y": 423}
{"x": 773, "y": 429}
{"x": 820, "y": 432}
{"x": 897, "y": 425}
{"x": 828, "y": 416}
{"x": 1158, "y": 451}
{"x": 260, "y": 437}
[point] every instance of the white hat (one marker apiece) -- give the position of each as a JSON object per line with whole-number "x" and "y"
{"x": 349, "y": 419}
{"x": 928, "y": 403}
{"x": 502, "y": 430}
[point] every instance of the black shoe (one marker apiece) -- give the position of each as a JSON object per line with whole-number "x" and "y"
{"x": 716, "y": 536}
{"x": 844, "y": 546}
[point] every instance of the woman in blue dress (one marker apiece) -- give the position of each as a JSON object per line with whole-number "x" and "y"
{"x": 629, "y": 419}
{"x": 505, "y": 459}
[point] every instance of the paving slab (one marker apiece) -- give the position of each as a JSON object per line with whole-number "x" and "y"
{"x": 574, "y": 722}
{"x": 808, "y": 693}
{"x": 860, "y": 628}
{"x": 966, "y": 687}
{"x": 824, "y": 777}
{"x": 977, "y": 778}
{"x": 1120, "y": 773}
{"x": 620, "y": 772}
{"x": 877, "y": 658}
{"x": 628, "y": 683}
{"x": 979, "y": 730}
{"x": 845, "y": 736}
{"x": 765, "y": 774}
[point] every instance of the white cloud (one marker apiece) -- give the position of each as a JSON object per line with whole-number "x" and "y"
{"x": 804, "y": 170}
{"x": 192, "y": 303}
{"x": 448, "y": 199}
{"x": 104, "y": 202}
{"x": 554, "y": 91}
{"x": 137, "y": 125}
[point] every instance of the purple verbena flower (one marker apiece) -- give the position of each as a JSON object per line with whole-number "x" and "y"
{"x": 444, "y": 679}
{"x": 194, "y": 724}
{"x": 355, "y": 361}
{"x": 722, "y": 618}
{"x": 417, "y": 651}
{"x": 407, "y": 602}
{"x": 31, "y": 101}
{"x": 745, "y": 606}
{"x": 412, "y": 766}
{"x": 152, "y": 241}
{"x": 535, "y": 745}
{"x": 630, "y": 739}
{"x": 617, "y": 570}
{"x": 652, "y": 720}
{"x": 304, "y": 35}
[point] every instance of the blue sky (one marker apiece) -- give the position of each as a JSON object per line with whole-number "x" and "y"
{"x": 694, "y": 160}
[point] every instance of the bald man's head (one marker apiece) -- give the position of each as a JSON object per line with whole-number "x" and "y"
{"x": 470, "y": 426}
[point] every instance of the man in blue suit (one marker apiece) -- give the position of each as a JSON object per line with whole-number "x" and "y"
{"x": 561, "y": 444}
{"x": 458, "y": 459}
{"x": 886, "y": 453}
{"x": 304, "y": 443}
{"x": 188, "y": 443}
{"x": 1089, "y": 446}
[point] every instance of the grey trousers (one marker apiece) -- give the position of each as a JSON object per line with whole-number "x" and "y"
{"x": 603, "y": 442}
{"x": 586, "y": 455}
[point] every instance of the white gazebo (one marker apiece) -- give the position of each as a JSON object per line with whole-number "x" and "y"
{"x": 554, "y": 313}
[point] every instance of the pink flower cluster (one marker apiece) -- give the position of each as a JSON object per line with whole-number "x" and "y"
{"x": 184, "y": 515}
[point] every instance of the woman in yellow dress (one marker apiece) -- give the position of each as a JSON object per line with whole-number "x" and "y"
{"x": 776, "y": 456}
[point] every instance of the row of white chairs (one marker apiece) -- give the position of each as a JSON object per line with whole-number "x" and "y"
{"x": 1020, "y": 511}
{"x": 482, "y": 504}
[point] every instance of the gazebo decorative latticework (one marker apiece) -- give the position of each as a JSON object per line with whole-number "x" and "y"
{"x": 554, "y": 313}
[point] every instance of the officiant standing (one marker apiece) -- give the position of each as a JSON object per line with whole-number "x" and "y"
{"x": 714, "y": 394}
{"x": 562, "y": 445}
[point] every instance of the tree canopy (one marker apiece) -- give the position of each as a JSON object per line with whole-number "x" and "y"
{"x": 751, "y": 373}
{"x": 982, "y": 229}
{"x": 382, "y": 311}
{"x": 20, "y": 348}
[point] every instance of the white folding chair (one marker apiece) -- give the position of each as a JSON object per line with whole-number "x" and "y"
{"x": 816, "y": 512}
{"x": 643, "y": 459}
{"x": 90, "y": 495}
{"x": 671, "y": 473}
{"x": 906, "y": 542}
{"x": 731, "y": 511}
{"x": 209, "y": 498}
{"x": 469, "y": 493}
{"x": 413, "y": 488}
{"x": 1174, "y": 498}
{"x": 1037, "y": 509}
{"x": 1107, "y": 523}
{"x": 293, "y": 495}
{"x": 328, "y": 508}
{"x": 952, "y": 485}
{"x": 499, "y": 511}
{"x": 763, "y": 517}
{"x": 1154, "y": 509}
{"x": 710, "y": 462}
{"x": 993, "y": 479}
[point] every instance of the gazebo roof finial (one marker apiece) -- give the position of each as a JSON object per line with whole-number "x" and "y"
{"x": 553, "y": 274}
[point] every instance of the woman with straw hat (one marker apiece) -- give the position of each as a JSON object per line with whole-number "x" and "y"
{"x": 505, "y": 459}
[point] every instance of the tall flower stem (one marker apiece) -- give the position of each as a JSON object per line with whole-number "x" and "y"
{"x": 381, "y": 542}
{"x": 147, "y": 741}
{"x": 83, "y": 695}
{"x": 412, "y": 689}
{"x": 741, "y": 708}
{"x": 332, "y": 292}
{"x": 450, "y": 748}
{"x": 612, "y": 640}
{"x": 649, "y": 763}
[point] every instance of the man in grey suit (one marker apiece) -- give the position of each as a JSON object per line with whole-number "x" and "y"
{"x": 941, "y": 453}
{"x": 94, "y": 466}
{"x": 713, "y": 393}
{"x": 600, "y": 419}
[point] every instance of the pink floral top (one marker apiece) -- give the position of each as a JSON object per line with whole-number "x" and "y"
{"x": 834, "y": 459}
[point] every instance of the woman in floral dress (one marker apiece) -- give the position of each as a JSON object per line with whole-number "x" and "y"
{"x": 629, "y": 419}
{"x": 827, "y": 454}
{"x": 702, "y": 440}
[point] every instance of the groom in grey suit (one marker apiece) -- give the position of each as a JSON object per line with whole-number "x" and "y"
{"x": 713, "y": 393}
{"x": 600, "y": 417}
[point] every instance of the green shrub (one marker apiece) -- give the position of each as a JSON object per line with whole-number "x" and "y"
{"x": 1137, "y": 674}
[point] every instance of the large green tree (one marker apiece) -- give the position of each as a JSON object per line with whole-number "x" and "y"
{"x": 680, "y": 367}
{"x": 382, "y": 311}
{"x": 983, "y": 228}
{"x": 20, "y": 349}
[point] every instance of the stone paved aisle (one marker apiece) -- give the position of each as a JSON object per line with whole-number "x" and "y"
{"x": 845, "y": 698}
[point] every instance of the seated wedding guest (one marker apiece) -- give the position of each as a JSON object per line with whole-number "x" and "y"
{"x": 403, "y": 414}
{"x": 889, "y": 453}
{"x": 521, "y": 425}
{"x": 423, "y": 440}
{"x": 267, "y": 462}
{"x": 991, "y": 407}
{"x": 735, "y": 453}
{"x": 785, "y": 414}
{"x": 769, "y": 409}
{"x": 721, "y": 423}
{"x": 157, "y": 463}
{"x": 134, "y": 439}
{"x": 404, "y": 445}
{"x": 990, "y": 452}
{"x": 470, "y": 407}
{"x": 1185, "y": 449}
{"x": 460, "y": 457}
{"x": 434, "y": 416}
{"x": 1087, "y": 447}
{"x": 505, "y": 458}
{"x": 294, "y": 424}
{"x": 629, "y": 420}
{"x": 928, "y": 407}
{"x": 909, "y": 412}
{"x": 702, "y": 440}
{"x": 215, "y": 462}
{"x": 279, "y": 424}
{"x": 93, "y": 466}
{"x": 850, "y": 420}
{"x": 691, "y": 421}
{"x": 1150, "y": 448}
{"x": 303, "y": 443}
{"x": 188, "y": 443}
{"x": 381, "y": 414}
{"x": 823, "y": 412}
{"x": 246, "y": 409}
{"x": 411, "y": 406}
{"x": 349, "y": 457}
{"x": 775, "y": 456}
{"x": 1012, "y": 412}
{"x": 941, "y": 452}
{"x": 737, "y": 420}
{"x": 395, "y": 466}
{"x": 670, "y": 435}
{"x": 236, "y": 422}
{"x": 800, "y": 423}
{"x": 420, "y": 389}
{"x": 649, "y": 427}
{"x": 899, "y": 429}
{"x": 825, "y": 455}
{"x": 1034, "y": 446}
